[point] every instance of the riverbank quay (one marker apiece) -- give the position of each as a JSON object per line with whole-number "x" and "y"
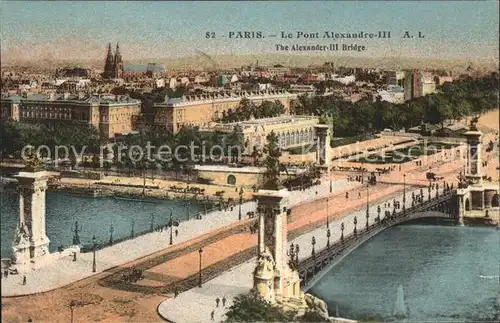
{"x": 65, "y": 270}
{"x": 108, "y": 303}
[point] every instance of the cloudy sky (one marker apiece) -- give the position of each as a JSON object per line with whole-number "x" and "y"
{"x": 81, "y": 30}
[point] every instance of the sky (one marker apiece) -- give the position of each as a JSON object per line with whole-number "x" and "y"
{"x": 81, "y": 29}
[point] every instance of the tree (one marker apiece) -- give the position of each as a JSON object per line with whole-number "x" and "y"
{"x": 235, "y": 143}
{"x": 251, "y": 308}
{"x": 272, "y": 163}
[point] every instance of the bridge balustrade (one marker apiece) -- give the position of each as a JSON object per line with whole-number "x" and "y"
{"x": 311, "y": 266}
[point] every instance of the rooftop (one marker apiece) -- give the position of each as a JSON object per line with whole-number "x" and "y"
{"x": 74, "y": 98}
{"x": 273, "y": 120}
{"x": 223, "y": 96}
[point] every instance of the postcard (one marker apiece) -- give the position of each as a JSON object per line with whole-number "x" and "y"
{"x": 260, "y": 161}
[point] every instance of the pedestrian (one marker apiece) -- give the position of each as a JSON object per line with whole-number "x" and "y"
{"x": 176, "y": 233}
{"x": 212, "y": 315}
{"x": 176, "y": 292}
{"x": 359, "y": 195}
{"x": 24, "y": 279}
{"x": 217, "y": 301}
{"x": 224, "y": 301}
{"x": 347, "y": 195}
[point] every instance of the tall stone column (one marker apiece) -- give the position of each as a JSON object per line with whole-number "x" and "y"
{"x": 31, "y": 241}
{"x": 473, "y": 167}
{"x": 323, "y": 145}
{"x": 273, "y": 233}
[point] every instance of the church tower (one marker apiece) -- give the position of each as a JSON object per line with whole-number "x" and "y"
{"x": 118, "y": 64}
{"x": 109, "y": 65}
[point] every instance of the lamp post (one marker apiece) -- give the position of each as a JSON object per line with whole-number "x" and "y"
{"x": 421, "y": 195}
{"x": 132, "y": 229}
{"x": 355, "y": 230}
{"x": 111, "y": 231}
{"x": 240, "y": 193}
{"x": 437, "y": 189}
{"x": 72, "y": 305}
{"x": 330, "y": 175}
{"x": 367, "y": 204}
{"x": 94, "y": 244}
{"x": 378, "y": 212}
{"x": 413, "y": 199}
{"x": 362, "y": 173}
{"x": 328, "y": 234}
{"x": 199, "y": 277}
{"x": 327, "y": 218}
{"x": 404, "y": 192}
{"x": 342, "y": 232}
{"x": 313, "y": 242}
{"x": 171, "y": 229}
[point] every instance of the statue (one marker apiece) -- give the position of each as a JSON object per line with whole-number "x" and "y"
{"x": 22, "y": 234}
{"x": 32, "y": 161}
{"x": 473, "y": 123}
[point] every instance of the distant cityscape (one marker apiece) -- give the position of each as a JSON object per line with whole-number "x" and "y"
{"x": 112, "y": 99}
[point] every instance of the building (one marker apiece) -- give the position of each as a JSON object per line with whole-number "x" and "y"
{"x": 428, "y": 84}
{"x": 303, "y": 89}
{"x": 292, "y": 131}
{"x": 201, "y": 110}
{"x": 113, "y": 68}
{"x": 393, "y": 94}
{"x": 108, "y": 114}
{"x": 413, "y": 85}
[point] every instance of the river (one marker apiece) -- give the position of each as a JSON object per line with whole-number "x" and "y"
{"x": 439, "y": 267}
{"x": 94, "y": 215}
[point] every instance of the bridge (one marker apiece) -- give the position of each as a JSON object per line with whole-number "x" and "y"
{"x": 311, "y": 269}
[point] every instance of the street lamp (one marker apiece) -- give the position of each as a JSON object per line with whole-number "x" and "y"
{"x": 111, "y": 231}
{"x": 404, "y": 192}
{"x": 367, "y": 204}
{"x": 355, "y": 222}
{"x": 342, "y": 231}
{"x": 328, "y": 234}
{"x": 330, "y": 175}
{"x": 199, "y": 277}
{"x": 313, "y": 242}
{"x": 327, "y": 218}
{"x": 240, "y": 193}
{"x": 72, "y": 305}
{"x": 132, "y": 229}
{"x": 152, "y": 222}
{"x": 171, "y": 229}
{"x": 94, "y": 244}
{"x": 378, "y": 212}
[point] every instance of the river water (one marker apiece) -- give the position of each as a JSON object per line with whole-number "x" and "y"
{"x": 94, "y": 215}
{"x": 439, "y": 268}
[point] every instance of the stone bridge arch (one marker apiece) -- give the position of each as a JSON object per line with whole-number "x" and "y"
{"x": 312, "y": 271}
